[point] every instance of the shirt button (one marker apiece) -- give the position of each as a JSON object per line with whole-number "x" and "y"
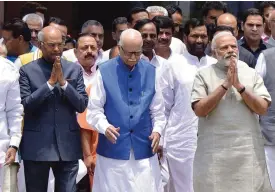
{"x": 56, "y": 109}
{"x": 130, "y": 89}
{"x": 130, "y": 76}
{"x": 131, "y": 103}
{"x": 131, "y": 117}
{"x": 131, "y": 131}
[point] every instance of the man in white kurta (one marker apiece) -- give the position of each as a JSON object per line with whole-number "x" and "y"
{"x": 128, "y": 135}
{"x": 11, "y": 112}
{"x": 227, "y": 97}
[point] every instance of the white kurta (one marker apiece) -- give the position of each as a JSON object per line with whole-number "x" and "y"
{"x": 203, "y": 62}
{"x": 128, "y": 175}
{"x": 177, "y": 46}
{"x": 11, "y": 111}
{"x": 269, "y": 148}
{"x": 161, "y": 65}
{"x": 230, "y": 153}
{"x": 181, "y": 130}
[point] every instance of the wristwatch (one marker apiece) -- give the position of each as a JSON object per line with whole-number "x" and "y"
{"x": 242, "y": 90}
{"x": 12, "y": 146}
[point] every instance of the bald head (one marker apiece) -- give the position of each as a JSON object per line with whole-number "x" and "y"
{"x": 49, "y": 32}
{"x": 229, "y": 20}
{"x": 130, "y": 37}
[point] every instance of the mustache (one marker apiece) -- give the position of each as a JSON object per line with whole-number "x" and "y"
{"x": 89, "y": 55}
{"x": 228, "y": 55}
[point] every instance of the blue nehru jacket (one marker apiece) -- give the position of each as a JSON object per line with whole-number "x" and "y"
{"x": 128, "y": 98}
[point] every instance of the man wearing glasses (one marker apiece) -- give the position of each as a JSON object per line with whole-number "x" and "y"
{"x": 129, "y": 122}
{"x": 51, "y": 95}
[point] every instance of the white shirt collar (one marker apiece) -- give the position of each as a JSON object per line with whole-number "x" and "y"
{"x": 154, "y": 61}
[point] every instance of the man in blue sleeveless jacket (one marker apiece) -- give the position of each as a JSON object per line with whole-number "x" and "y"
{"x": 127, "y": 109}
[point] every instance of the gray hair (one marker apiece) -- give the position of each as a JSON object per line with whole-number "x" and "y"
{"x": 128, "y": 33}
{"x": 3, "y": 50}
{"x": 218, "y": 35}
{"x": 90, "y": 23}
{"x": 157, "y": 9}
{"x": 33, "y": 17}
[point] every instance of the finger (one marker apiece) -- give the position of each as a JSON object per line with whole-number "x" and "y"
{"x": 114, "y": 131}
{"x": 112, "y": 137}
{"x": 9, "y": 160}
{"x": 151, "y": 137}
{"x": 154, "y": 141}
{"x": 155, "y": 147}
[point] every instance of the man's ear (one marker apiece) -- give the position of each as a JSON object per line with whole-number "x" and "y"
{"x": 21, "y": 38}
{"x": 242, "y": 26}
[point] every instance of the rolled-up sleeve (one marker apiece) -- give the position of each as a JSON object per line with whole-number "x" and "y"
{"x": 95, "y": 111}
{"x": 14, "y": 112}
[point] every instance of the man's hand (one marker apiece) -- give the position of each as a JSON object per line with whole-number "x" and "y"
{"x": 160, "y": 152}
{"x": 112, "y": 133}
{"x": 10, "y": 156}
{"x": 53, "y": 79}
{"x": 58, "y": 67}
{"x": 236, "y": 82}
{"x": 90, "y": 164}
{"x": 230, "y": 76}
{"x": 155, "y": 137}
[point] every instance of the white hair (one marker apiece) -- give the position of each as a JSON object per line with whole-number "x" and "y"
{"x": 40, "y": 36}
{"x": 218, "y": 35}
{"x": 157, "y": 9}
{"x": 3, "y": 50}
{"x": 129, "y": 33}
{"x": 33, "y": 17}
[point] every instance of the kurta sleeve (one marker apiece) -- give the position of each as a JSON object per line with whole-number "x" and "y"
{"x": 199, "y": 90}
{"x": 95, "y": 111}
{"x": 167, "y": 88}
{"x": 261, "y": 65}
{"x": 260, "y": 89}
{"x": 157, "y": 111}
{"x": 14, "y": 110}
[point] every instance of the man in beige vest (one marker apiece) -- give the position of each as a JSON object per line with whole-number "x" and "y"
{"x": 228, "y": 97}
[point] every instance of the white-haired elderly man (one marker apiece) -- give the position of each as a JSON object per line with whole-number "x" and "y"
{"x": 127, "y": 109}
{"x": 35, "y": 24}
{"x": 228, "y": 97}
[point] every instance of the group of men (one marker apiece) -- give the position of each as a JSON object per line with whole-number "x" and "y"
{"x": 154, "y": 113}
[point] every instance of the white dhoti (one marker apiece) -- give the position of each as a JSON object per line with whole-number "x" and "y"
{"x": 82, "y": 171}
{"x": 164, "y": 171}
{"x": 270, "y": 161}
{"x": 127, "y": 175}
{"x": 180, "y": 158}
{"x": 8, "y": 175}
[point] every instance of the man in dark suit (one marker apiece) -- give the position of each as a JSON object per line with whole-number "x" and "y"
{"x": 52, "y": 91}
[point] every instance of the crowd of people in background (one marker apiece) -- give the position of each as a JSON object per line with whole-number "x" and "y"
{"x": 174, "y": 106}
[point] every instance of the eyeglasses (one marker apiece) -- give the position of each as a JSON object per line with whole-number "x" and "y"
{"x": 53, "y": 45}
{"x": 129, "y": 54}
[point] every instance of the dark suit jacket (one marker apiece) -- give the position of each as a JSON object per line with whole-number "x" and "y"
{"x": 51, "y": 131}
